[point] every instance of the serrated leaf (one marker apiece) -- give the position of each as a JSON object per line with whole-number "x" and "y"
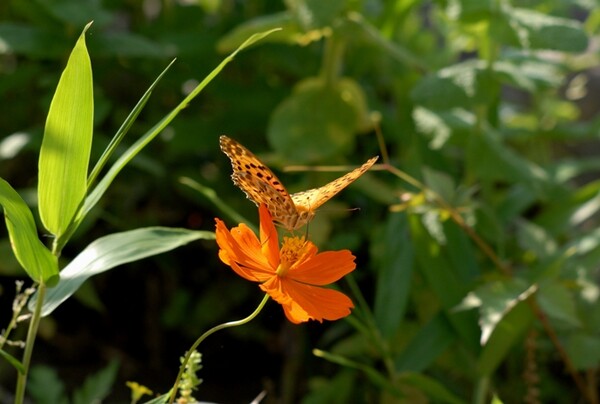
{"x": 34, "y": 257}
{"x": 110, "y": 251}
{"x": 65, "y": 152}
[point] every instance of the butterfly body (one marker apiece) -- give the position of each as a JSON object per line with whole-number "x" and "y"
{"x": 261, "y": 185}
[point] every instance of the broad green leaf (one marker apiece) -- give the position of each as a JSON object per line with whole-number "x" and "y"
{"x": 394, "y": 276}
{"x": 558, "y": 302}
{"x": 446, "y": 281}
{"x": 96, "y": 387}
{"x": 336, "y": 113}
{"x": 316, "y": 13}
{"x": 45, "y": 387}
{"x": 65, "y": 152}
{"x": 13, "y": 361}
{"x": 434, "y": 389}
{"x": 126, "y": 45}
{"x": 506, "y": 334}
{"x": 495, "y": 300}
{"x": 376, "y": 377}
{"x": 34, "y": 257}
{"x": 570, "y": 209}
{"x": 21, "y": 39}
{"x": 110, "y": 251}
{"x": 430, "y": 342}
{"x": 537, "y": 30}
{"x": 338, "y": 388}
{"x": 491, "y": 159}
{"x": 584, "y": 350}
{"x": 135, "y": 148}
{"x": 439, "y": 126}
{"x": 452, "y": 87}
{"x": 535, "y": 239}
{"x": 290, "y": 31}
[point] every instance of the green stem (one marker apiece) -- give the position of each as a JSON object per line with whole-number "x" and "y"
{"x": 31, "y": 334}
{"x": 332, "y": 60}
{"x": 205, "y": 335}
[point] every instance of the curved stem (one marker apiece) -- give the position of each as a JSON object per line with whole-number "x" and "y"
{"x": 31, "y": 334}
{"x": 205, "y": 335}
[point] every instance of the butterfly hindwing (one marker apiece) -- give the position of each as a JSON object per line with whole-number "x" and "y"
{"x": 261, "y": 185}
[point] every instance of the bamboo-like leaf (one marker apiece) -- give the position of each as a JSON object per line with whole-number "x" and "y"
{"x": 110, "y": 251}
{"x": 65, "y": 151}
{"x": 134, "y": 149}
{"x": 13, "y": 361}
{"x": 33, "y": 256}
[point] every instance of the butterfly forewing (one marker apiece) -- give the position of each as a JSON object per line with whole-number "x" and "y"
{"x": 313, "y": 198}
{"x": 262, "y": 186}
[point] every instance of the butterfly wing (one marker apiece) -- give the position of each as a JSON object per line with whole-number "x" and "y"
{"x": 309, "y": 201}
{"x": 259, "y": 183}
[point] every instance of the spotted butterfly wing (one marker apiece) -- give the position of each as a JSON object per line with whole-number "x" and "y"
{"x": 261, "y": 185}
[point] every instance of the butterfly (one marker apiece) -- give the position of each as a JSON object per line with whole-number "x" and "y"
{"x": 262, "y": 186}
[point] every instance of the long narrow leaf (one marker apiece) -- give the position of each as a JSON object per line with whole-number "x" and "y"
{"x": 65, "y": 152}
{"x": 33, "y": 256}
{"x": 113, "y": 250}
{"x": 134, "y": 149}
{"x": 13, "y": 361}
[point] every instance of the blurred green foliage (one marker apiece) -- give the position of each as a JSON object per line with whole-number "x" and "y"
{"x": 476, "y": 243}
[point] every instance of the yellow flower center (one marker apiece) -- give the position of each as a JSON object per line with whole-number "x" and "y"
{"x": 291, "y": 251}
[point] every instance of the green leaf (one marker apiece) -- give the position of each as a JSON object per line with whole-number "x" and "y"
{"x": 135, "y": 148}
{"x": 110, "y": 251}
{"x": 557, "y": 302}
{"x": 434, "y": 389}
{"x": 45, "y": 387}
{"x": 430, "y": 342}
{"x": 506, "y": 334}
{"x": 31, "y": 41}
{"x": 34, "y": 257}
{"x": 13, "y": 361}
{"x": 394, "y": 277}
{"x": 289, "y": 31}
{"x": 447, "y": 282}
{"x": 336, "y": 113}
{"x": 97, "y": 387}
{"x": 65, "y": 152}
{"x": 537, "y": 30}
{"x": 584, "y": 350}
{"x": 495, "y": 300}
{"x": 316, "y": 13}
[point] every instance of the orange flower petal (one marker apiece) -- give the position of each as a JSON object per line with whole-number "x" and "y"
{"x": 268, "y": 236}
{"x": 323, "y": 268}
{"x": 302, "y": 302}
{"x": 241, "y": 250}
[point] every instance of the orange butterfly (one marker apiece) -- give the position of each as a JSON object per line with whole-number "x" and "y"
{"x": 262, "y": 186}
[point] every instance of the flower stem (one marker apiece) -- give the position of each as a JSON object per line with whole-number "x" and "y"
{"x": 31, "y": 334}
{"x": 205, "y": 335}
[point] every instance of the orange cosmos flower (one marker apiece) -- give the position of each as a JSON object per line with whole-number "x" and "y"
{"x": 293, "y": 275}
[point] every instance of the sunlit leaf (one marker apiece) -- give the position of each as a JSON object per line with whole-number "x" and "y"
{"x": 65, "y": 152}
{"x": 113, "y": 250}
